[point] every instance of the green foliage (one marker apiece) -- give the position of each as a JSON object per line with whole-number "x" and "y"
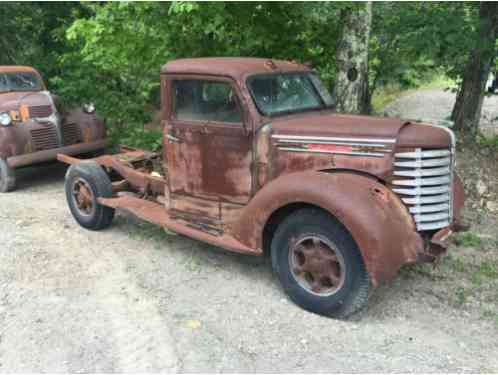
{"x": 411, "y": 39}
{"x": 111, "y": 53}
{"x": 136, "y": 137}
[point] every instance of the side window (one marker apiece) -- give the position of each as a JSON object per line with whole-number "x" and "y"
{"x": 3, "y": 83}
{"x": 197, "y": 100}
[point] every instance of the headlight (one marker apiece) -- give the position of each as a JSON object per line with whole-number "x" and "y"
{"x": 5, "y": 119}
{"x": 89, "y": 108}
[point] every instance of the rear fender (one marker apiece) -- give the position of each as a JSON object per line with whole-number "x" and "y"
{"x": 376, "y": 218}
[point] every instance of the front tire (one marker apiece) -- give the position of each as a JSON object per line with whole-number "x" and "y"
{"x": 7, "y": 177}
{"x": 85, "y": 182}
{"x": 319, "y": 264}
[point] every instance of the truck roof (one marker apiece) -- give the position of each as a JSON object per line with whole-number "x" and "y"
{"x": 16, "y": 68}
{"x": 234, "y": 67}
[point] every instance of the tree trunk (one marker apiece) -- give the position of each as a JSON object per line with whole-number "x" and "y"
{"x": 468, "y": 105}
{"x": 350, "y": 91}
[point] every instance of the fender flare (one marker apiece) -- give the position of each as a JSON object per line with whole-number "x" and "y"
{"x": 378, "y": 221}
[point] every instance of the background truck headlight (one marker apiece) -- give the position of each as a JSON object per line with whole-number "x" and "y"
{"x": 5, "y": 119}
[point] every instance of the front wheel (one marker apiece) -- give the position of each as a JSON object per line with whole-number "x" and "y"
{"x": 85, "y": 182}
{"x": 319, "y": 264}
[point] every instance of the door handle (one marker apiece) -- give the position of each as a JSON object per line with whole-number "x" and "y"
{"x": 172, "y": 138}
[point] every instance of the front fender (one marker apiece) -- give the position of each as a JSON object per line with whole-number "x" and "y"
{"x": 376, "y": 218}
{"x": 92, "y": 128}
{"x": 14, "y": 140}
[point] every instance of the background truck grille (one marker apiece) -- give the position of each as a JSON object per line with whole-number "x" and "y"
{"x": 40, "y": 111}
{"x": 423, "y": 179}
{"x": 44, "y": 138}
{"x": 71, "y": 134}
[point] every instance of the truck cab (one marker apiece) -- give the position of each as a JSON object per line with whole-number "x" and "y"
{"x": 34, "y": 127}
{"x": 256, "y": 161}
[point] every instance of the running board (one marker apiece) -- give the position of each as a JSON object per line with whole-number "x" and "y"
{"x": 156, "y": 213}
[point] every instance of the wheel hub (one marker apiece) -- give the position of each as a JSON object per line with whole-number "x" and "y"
{"x": 316, "y": 265}
{"x": 83, "y": 196}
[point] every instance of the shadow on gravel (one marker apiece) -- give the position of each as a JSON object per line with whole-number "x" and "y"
{"x": 40, "y": 175}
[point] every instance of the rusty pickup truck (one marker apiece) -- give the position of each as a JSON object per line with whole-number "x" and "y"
{"x": 34, "y": 127}
{"x": 255, "y": 161}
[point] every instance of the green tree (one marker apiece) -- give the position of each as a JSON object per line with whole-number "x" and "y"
{"x": 467, "y": 110}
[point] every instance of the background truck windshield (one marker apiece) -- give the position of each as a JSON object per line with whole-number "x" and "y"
{"x": 20, "y": 81}
{"x": 289, "y": 92}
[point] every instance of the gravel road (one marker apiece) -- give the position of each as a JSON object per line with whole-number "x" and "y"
{"x": 438, "y": 104}
{"x": 134, "y": 299}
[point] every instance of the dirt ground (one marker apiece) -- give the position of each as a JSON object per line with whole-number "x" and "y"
{"x": 134, "y": 299}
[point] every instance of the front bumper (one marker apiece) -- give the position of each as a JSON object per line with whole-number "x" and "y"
{"x": 48, "y": 155}
{"x": 439, "y": 242}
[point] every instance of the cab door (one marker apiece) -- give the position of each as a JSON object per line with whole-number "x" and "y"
{"x": 208, "y": 146}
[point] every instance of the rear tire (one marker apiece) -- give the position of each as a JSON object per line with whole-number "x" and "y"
{"x": 7, "y": 177}
{"x": 85, "y": 182}
{"x": 319, "y": 264}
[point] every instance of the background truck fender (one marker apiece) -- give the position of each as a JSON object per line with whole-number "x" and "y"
{"x": 376, "y": 218}
{"x": 92, "y": 128}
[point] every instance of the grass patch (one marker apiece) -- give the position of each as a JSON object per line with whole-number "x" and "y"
{"x": 387, "y": 94}
{"x": 461, "y": 295}
{"x": 489, "y": 269}
{"x": 490, "y": 141}
{"x": 467, "y": 239}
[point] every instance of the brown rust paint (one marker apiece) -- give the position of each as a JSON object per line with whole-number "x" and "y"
{"x": 378, "y": 221}
{"x": 224, "y": 181}
{"x": 18, "y": 144}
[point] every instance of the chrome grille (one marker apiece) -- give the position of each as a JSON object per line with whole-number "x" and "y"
{"x": 40, "y": 111}
{"x": 71, "y": 134}
{"x": 423, "y": 179}
{"x": 44, "y": 138}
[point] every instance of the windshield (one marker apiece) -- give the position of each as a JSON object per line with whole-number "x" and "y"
{"x": 20, "y": 81}
{"x": 283, "y": 93}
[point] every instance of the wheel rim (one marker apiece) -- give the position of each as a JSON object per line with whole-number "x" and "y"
{"x": 317, "y": 265}
{"x": 83, "y": 197}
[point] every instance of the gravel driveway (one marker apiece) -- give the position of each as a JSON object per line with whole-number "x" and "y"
{"x": 438, "y": 104}
{"x": 133, "y": 299}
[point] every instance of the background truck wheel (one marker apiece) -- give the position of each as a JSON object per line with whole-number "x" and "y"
{"x": 85, "y": 182}
{"x": 319, "y": 264}
{"x": 7, "y": 177}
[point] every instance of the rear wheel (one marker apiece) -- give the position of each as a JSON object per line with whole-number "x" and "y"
{"x": 85, "y": 182}
{"x": 7, "y": 177}
{"x": 319, "y": 265}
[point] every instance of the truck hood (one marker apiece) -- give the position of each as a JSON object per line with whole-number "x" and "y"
{"x": 12, "y": 100}
{"x": 406, "y": 133}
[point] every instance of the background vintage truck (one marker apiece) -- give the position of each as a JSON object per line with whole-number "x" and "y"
{"x": 256, "y": 161}
{"x": 34, "y": 126}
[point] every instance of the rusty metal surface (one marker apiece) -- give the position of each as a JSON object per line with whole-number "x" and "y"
{"x": 39, "y": 131}
{"x": 316, "y": 265}
{"x": 223, "y": 182}
{"x": 46, "y": 155}
{"x": 377, "y": 219}
{"x": 17, "y": 68}
{"x": 234, "y": 67}
{"x": 138, "y": 178}
{"x": 155, "y": 213}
